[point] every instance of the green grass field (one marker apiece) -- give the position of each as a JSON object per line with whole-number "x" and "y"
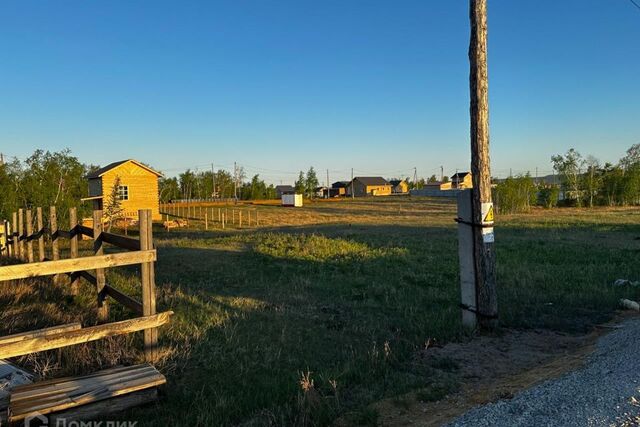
{"x": 304, "y": 323}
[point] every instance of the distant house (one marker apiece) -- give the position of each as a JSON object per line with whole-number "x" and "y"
{"x": 461, "y": 180}
{"x": 369, "y": 186}
{"x": 320, "y": 192}
{"x": 399, "y": 186}
{"x": 438, "y": 185}
{"x": 284, "y": 189}
{"x": 137, "y": 187}
{"x": 338, "y": 188}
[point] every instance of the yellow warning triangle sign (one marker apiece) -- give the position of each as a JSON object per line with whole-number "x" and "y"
{"x": 489, "y": 216}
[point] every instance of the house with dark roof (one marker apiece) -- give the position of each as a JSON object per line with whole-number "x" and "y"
{"x": 284, "y": 189}
{"x": 338, "y": 188}
{"x": 399, "y": 186}
{"x": 461, "y": 180}
{"x": 368, "y": 186}
{"x": 134, "y": 184}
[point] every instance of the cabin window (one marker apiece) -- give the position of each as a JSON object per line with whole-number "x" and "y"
{"x": 123, "y": 192}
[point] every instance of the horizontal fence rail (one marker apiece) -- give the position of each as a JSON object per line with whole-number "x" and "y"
{"x": 46, "y": 268}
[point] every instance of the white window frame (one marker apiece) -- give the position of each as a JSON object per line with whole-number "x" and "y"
{"x": 123, "y": 192}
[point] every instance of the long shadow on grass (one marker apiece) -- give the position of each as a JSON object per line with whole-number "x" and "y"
{"x": 277, "y": 308}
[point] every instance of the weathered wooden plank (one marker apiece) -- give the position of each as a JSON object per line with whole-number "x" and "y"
{"x": 73, "y": 246}
{"x": 64, "y": 234}
{"x": 86, "y": 231}
{"x": 39, "y": 333}
{"x": 53, "y": 381}
{"x": 148, "y": 284}
{"x": 103, "y": 307}
{"x": 119, "y": 389}
{"x": 29, "y": 239}
{"x": 84, "y": 335}
{"x": 106, "y": 408}
{"x": 22, "y": 251}
{"x": 121, "y": 241}
{"x": 39, "y": 393}
{"x": 82, "y": 390}
{"x": 124, "y": 299}
{"x": 40, "y": 233}
{"x": 21, "y": 271}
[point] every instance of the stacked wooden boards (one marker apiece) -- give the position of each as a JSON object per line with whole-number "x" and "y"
{"x": 47, "y": 397}
{"x": 10, "y": 377}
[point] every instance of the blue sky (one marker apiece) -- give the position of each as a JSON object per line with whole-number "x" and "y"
{"x": 278, "y": 86}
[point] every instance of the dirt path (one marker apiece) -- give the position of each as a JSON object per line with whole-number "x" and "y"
{"x": 493, "y": 368}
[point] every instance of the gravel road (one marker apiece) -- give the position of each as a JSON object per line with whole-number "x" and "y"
{"x": 604, "y": 392}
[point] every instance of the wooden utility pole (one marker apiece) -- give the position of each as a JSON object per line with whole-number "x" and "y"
{"x": 235, "y": 182}
{"x": 352, "y": 195}
{"x": 328, "y": 185}
{"x": 482, "y": 206}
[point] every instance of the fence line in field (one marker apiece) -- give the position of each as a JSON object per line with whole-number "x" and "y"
{"x": 219, "y": 216}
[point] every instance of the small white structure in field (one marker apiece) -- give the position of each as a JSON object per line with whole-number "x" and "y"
{"x": 292, "y": 200}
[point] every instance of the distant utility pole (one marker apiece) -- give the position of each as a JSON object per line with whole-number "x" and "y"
{"x": 352, "y": 195}
{"x": 1, "y": 159}
{"x": 415, "y": 177}
{"x": 441, "y": 173}
{"x": 213, "y": 182}
{"x": 328, "y": 183}
{"x": 482, "y": 205}
{"x": 235, "y": 182}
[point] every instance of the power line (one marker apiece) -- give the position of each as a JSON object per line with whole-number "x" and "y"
{"x": 633, "y": 2}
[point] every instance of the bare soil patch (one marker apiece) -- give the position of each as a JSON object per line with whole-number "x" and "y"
{"x": 490, "y": 368}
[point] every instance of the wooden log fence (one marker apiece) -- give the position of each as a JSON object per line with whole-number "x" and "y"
{"x": 18, "y": 242}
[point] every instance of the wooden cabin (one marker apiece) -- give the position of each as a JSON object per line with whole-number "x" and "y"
{"x": 399, "y": 186}
{"x": 137, "y": 187}
{"x": 461, "y": 180}
{"x": 369, "y": 186}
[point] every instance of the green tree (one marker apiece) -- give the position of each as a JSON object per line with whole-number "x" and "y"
{"x": 432, "y": 178}
{"x": 112, "y": 204}
{"x": 515, "y": 194}
{"x": 548, "y": 195}
{"x": 311, "y": 182}
{"x": 592, "y": 179}
{"x": 569, "y": 168}
{"x": 10, "y": 180}
{"x": 300, "y": 184}
{"x": 612, "y": 185}
{"x": 169, "y": 189}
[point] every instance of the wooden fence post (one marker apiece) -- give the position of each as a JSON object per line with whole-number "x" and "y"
{"x": 10, "y": 248}
{"x": 206, "y": 220}
{"x": 40, "y": 234}
{"x": 16, "y": 236}
{"x": 103, "y": 307}
{"x": 223, "y": 221}
{"x": 257, "y": 220}
{"x": 7, "y": 236}
{"x": 5, "y": 232}
{"x": 148, "y": 285}
{"x": 53, "y": 229}
{"x": 29, "y": 236}
{"x": 239, "y": 219}
{"x": 73, "y": 247}
{"x": 21, "y": 234}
